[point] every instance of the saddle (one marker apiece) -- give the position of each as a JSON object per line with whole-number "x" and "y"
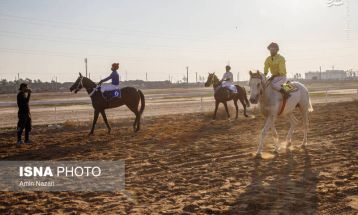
{"x": 109, "y": 95}
{"x": 288, "y": 87}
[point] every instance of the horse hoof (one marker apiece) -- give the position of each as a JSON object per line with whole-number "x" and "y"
{"x": 258, "y": 155}
{"x": 246, "y": 115}
{"x": 109, "y": 131}
{"x": 90, "y": 134}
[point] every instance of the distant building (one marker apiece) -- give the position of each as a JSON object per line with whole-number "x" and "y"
{"x": 327, "y": 75}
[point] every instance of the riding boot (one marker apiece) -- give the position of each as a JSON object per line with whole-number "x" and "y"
{"x": 285, "y": 94}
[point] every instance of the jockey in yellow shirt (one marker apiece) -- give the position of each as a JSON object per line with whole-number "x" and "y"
{"x": 277, "y": 66}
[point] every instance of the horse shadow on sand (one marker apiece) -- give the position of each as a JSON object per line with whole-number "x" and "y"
{"x": 282, "y": 186}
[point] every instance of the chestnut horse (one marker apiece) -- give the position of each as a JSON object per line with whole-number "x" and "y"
{"x": 223, "y": 95}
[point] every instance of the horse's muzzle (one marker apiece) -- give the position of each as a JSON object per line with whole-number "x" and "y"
{"x": 253, "y": 100}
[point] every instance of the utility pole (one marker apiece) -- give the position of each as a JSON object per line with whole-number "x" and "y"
{"x": 146, "y": 76}
{"x": 238, "y": 77}
{"x": 187, "y": 75}
{"x": 196, "y": 77}
{"x": 320, "y": 73}
{"x": 18, "y": 76}
{"x": 86, "y": 66}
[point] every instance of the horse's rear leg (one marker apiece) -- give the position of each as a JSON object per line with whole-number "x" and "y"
{"x": 136, "y": 124}
{"x": 305, "y": 127}
{"x": 244, "y": 105}
{"x": 95, "y": 117}
{"x": 227, "y": 110}
{"x": 103, "y": 113}
{"x": 236, "y": 108}
{"x": 293, "y": 123}
{"x": 275, "y": 138}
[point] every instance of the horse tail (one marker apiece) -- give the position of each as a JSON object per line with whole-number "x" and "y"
{"x": 142, "y": 100}
{"x": 245, "y": 95}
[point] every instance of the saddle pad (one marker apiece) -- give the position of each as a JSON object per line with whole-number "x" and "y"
{"x": 113, "y": 94}
{"x": 289, "y": 87}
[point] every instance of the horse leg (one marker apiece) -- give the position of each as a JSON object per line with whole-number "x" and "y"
{"x": 136, "y": 122}
{"x": 244, "y": 105}
{"x": 95, "y": 117}
{"x": 216, "y": 109}
{"x": 305, "y": 127}
{"x": 275, "y": 137}
{"x": 103, "y": 113}
{"x": 227, "y": 110}
{"x": 237, "y": 108}
{"x": 267, "y": 126}
{"x": 293, "y": 122}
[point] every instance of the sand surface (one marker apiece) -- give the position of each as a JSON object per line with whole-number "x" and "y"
{"x": 190, "y": 164}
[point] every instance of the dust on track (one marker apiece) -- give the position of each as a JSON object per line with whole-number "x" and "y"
{"x": 190, "y": 164}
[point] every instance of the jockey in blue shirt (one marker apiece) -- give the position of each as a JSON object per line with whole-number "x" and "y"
{"x": 114, "y": 76}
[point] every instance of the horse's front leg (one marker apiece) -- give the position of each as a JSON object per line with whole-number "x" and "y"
{"x": 95, "y": 117}
{"x": 267, "y": 126}
{"x": 103, "y": 113}
{"x": 216, "y": 109}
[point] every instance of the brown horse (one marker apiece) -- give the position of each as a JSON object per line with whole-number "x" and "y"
{"x": 223, "y": 95}
{"x": 129, "y": 97}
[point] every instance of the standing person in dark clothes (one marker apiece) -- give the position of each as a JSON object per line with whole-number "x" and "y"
{"x": 23, "y": 113}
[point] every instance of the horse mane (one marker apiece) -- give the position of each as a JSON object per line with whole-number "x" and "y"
{"x": 89, "y": 81}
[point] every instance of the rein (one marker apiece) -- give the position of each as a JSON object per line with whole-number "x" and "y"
{"x": 80, "y": 85}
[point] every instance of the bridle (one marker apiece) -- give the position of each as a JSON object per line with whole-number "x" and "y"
{"x": 263, "y": 85}
{"x": 80, "y": 85}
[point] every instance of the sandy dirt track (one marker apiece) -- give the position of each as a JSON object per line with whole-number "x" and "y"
{"x": 190, "y": 164}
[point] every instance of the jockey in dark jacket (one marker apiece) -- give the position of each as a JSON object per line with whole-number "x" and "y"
{"x": 114, "y": 76}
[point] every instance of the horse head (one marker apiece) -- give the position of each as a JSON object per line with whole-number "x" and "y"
{"x": 82, "y": 82}
{"x": 209, "y": 81}
{"x": 78, "y": 85}
{"x": 212, "y": 80}
{"x": 256, "y": 83}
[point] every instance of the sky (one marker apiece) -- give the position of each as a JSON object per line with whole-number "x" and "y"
{"x": 42, "y": 39}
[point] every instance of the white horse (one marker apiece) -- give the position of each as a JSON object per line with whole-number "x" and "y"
{"x": 271, "y": 102}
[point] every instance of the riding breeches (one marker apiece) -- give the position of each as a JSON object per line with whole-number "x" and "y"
{"x": 109, "y": 87}
{"x": 277, "y": 82}
{"x": 230, "y": 86}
